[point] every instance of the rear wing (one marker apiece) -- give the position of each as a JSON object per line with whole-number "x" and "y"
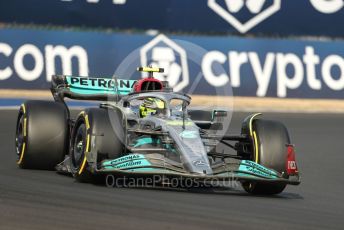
{"x": 86, "y": 88}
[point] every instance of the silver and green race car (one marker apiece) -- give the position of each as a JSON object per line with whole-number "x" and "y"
{"x": 143, "y": 129}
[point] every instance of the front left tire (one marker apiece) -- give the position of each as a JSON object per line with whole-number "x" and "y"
{"x": 98, "y": 130}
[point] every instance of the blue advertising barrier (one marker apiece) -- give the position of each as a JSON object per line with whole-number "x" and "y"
{"x": 268, "y": 17}
{"x": 197, "y": 64}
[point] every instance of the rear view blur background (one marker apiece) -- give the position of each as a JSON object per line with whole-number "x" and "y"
{"x": 269, "y": 51}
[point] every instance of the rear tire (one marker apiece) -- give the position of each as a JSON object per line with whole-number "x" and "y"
{"x": 41, "y": 135}
{"x": 272, "y": 138}
{"x": 99, "y": 124}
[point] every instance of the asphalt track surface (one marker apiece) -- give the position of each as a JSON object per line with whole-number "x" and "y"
{"x": 32, "y": 199}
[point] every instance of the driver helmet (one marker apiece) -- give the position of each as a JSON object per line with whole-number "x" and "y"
{"x": 151, "y": 106}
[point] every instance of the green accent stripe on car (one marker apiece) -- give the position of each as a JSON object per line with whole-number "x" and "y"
{"x": 89, "y": 86}
{"x": 251, "y": 167}
{"x": 124, "y": 159}
{"x": 92, "y": 91}
{"x": 144, "y": 141}
{"x": 129, "y": 164}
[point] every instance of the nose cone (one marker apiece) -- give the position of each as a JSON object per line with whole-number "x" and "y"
{"x": 191, "y": 148}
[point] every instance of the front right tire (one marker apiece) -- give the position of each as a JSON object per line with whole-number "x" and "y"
{"x": 272, "y": 139}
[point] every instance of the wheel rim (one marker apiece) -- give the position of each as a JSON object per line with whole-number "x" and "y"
{"x": 19, "y": 135}
{"x": 79, "y": 145}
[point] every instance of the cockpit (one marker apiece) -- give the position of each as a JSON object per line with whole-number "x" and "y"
{"x": 157, "y": 104}
{"x": 152, "y": 97}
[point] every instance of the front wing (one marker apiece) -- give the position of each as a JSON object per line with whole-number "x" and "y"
{"x": 143, "y": 165}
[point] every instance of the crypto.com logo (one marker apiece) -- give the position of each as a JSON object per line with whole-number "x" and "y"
{"x": 254, "y": 6}
{"x": 164, "y": 53}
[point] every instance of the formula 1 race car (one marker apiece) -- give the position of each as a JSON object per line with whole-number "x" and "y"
{"x": 141, "y": 129}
